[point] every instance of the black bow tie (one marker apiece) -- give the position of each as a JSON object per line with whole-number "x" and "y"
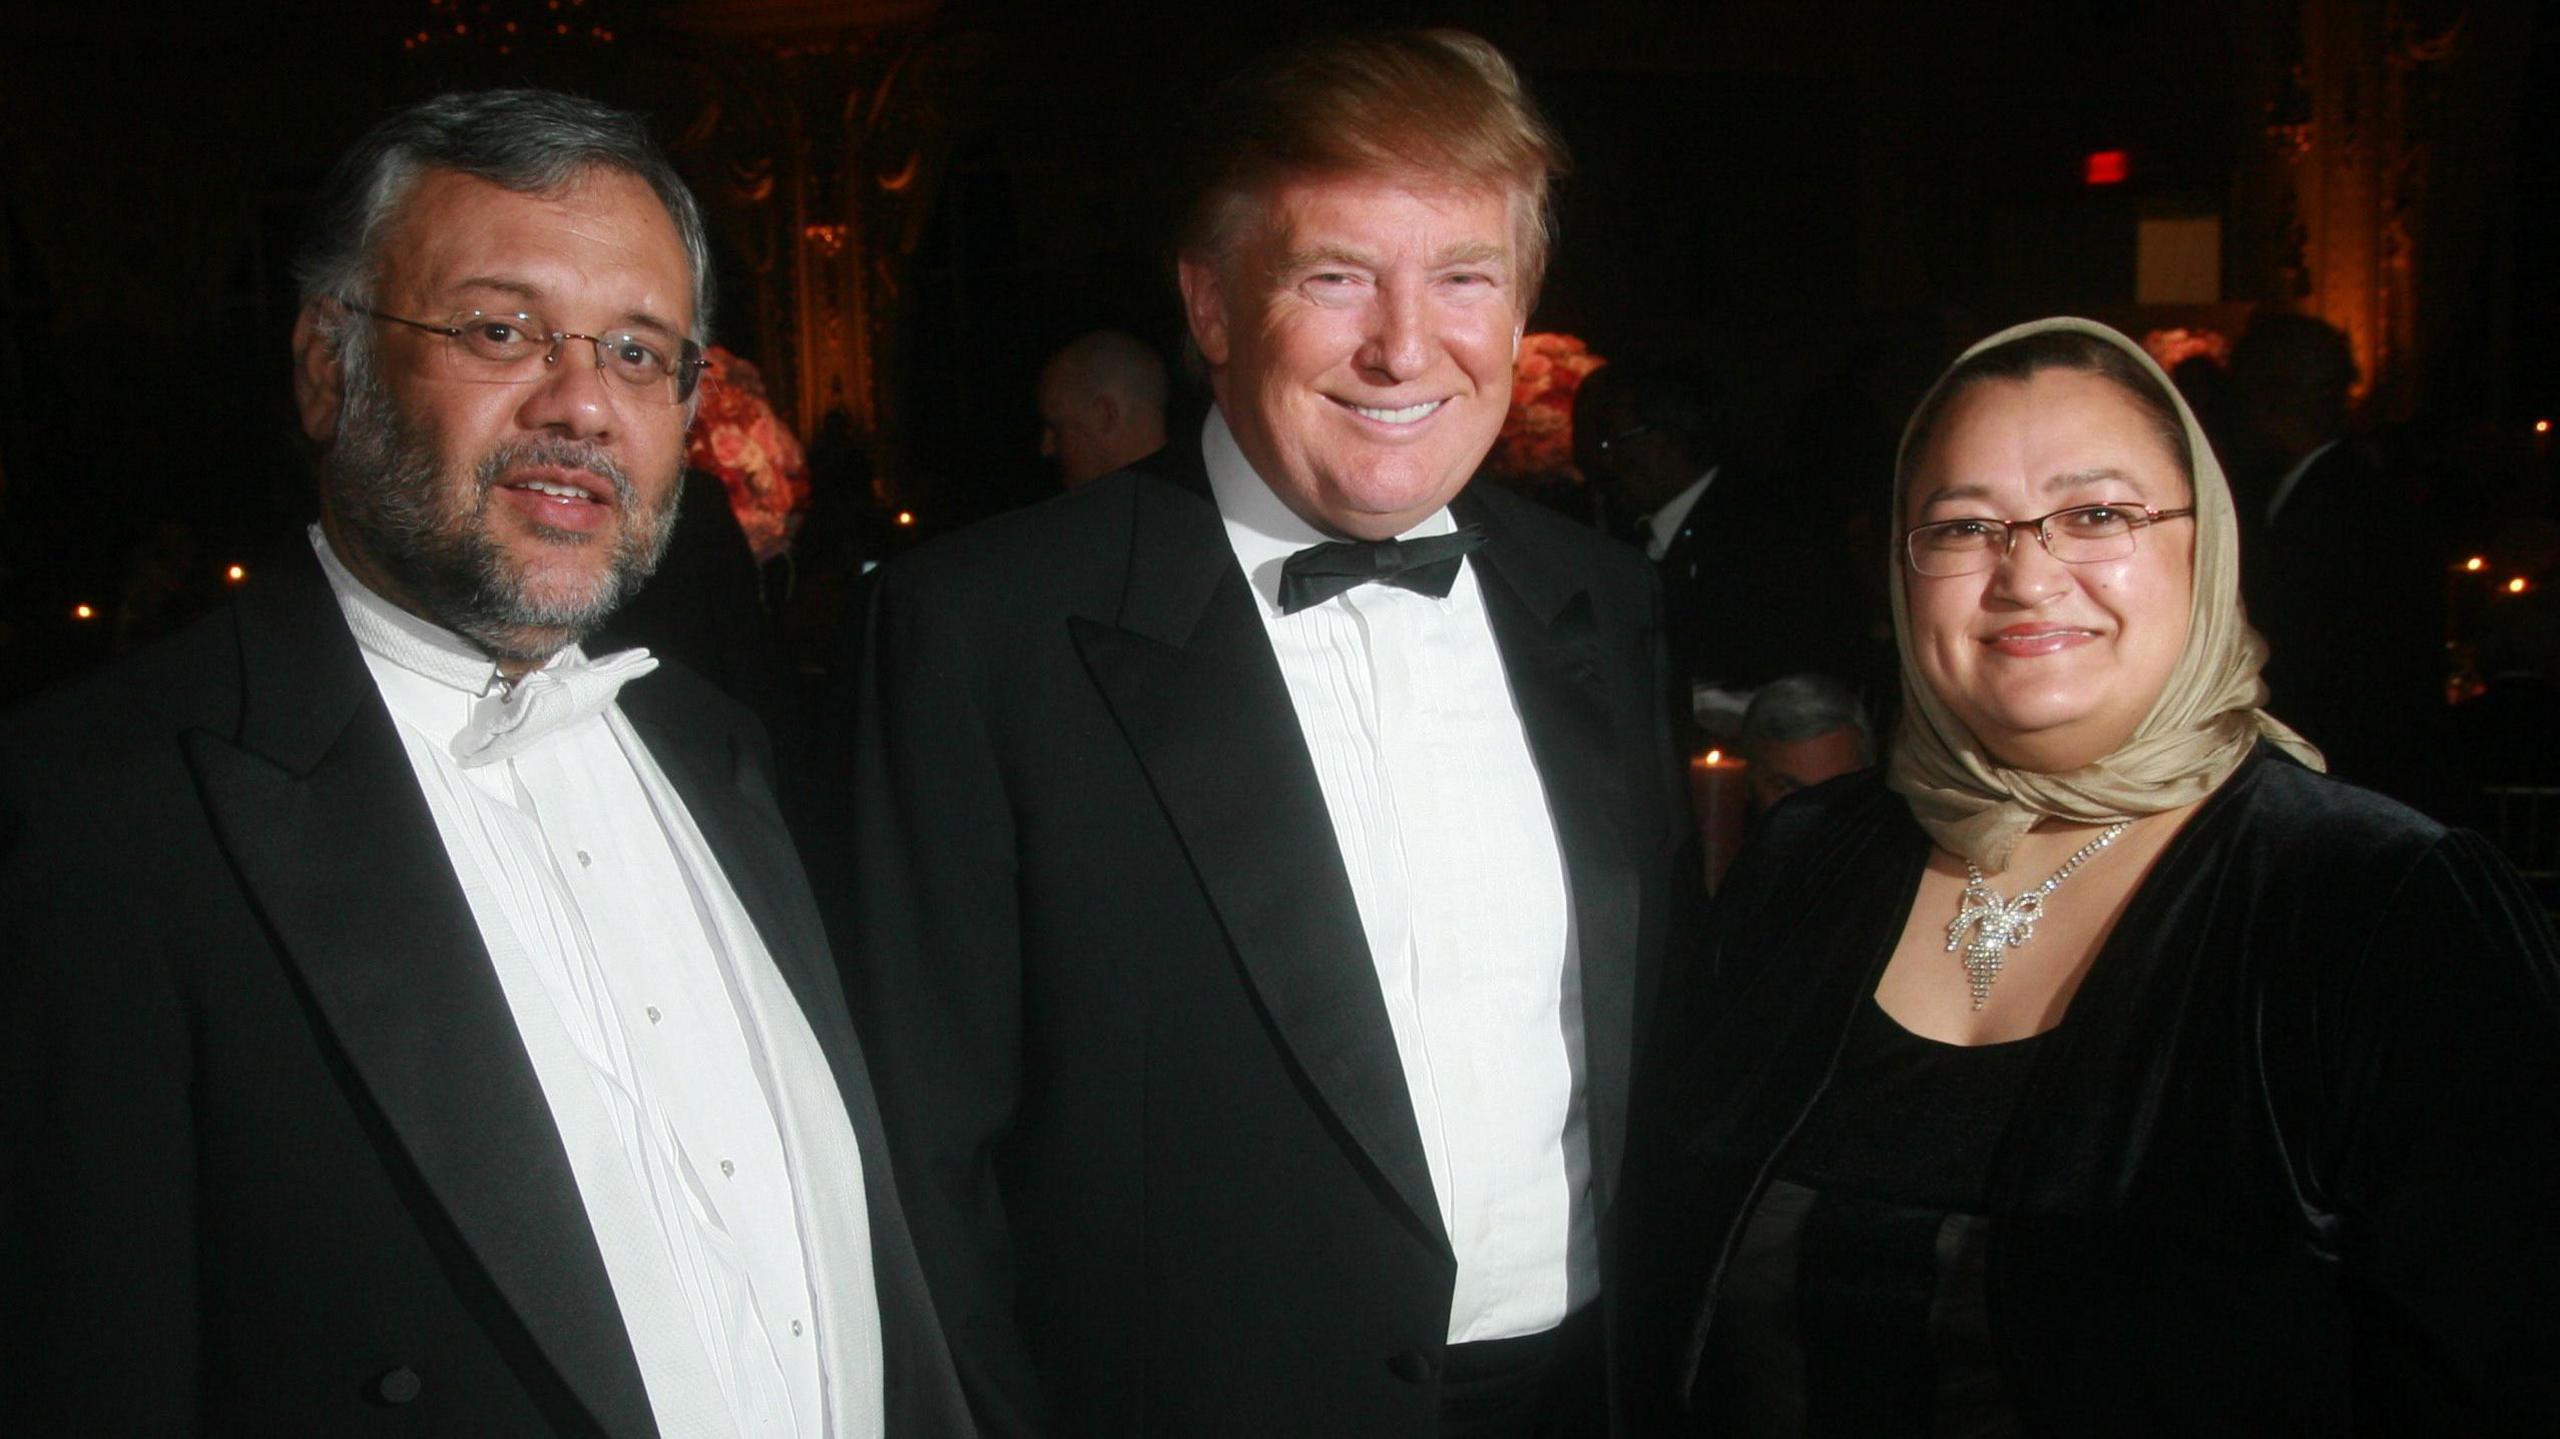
{"x": 1427, "y": 566}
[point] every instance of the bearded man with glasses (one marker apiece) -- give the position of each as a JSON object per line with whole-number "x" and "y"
{"x": 402, "y": 1012}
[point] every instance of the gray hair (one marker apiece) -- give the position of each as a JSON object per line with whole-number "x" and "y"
{"x": 1800, "y": 707}
{"x": 534, "y": 142}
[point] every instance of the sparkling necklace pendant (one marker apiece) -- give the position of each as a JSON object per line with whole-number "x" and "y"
{"x": 2000, "y": 925}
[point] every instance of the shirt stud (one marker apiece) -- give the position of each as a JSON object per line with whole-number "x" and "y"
{"x": 653, "y": 1014}
{"x": 727, "y": 1168}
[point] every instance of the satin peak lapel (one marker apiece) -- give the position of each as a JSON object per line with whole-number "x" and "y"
{"x": 320, "y": 811}
{"x": 1190, "y": 675}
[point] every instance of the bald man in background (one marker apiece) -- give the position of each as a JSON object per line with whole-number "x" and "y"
{"x": 1101, "y": 405}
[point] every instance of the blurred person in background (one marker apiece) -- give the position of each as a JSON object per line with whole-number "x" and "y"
{"x": 2345, "y": 575}
{"x": 1101, "y": 405}
{"x": 1742, "y": 599}
{"x": 1801, "y": 731}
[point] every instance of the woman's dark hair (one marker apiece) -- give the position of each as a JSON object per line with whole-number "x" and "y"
{"x": 2027, "y": 356}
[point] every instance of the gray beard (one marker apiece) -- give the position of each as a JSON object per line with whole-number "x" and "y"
{"x": 394, "y": 493}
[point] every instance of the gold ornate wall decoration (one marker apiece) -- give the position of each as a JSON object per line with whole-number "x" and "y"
{"x": 829, "y": 139}
{"x": 2348, "y": 136}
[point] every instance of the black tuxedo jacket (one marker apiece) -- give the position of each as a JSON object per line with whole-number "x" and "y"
{"x": 1749, "y": 594}
{"x": 272, "y": 1157}
{"x": 2347, "y": 586}
{"x": 1159, "y": 1150}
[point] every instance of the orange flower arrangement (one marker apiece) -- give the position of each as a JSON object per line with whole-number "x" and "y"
{"x": 1537, "y": 436}
{"x": 737, "y": 436}
{"x": 2172, "y": 348}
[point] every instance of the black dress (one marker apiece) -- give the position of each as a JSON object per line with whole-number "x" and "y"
{"x": 1854, "y": 1303}
{"x": 2286, "y": 1169}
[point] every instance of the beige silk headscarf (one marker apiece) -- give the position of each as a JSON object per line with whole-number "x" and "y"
{"x": 2203, "y": 725}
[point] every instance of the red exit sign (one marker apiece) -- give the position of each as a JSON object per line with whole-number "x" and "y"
{"x": 2105, "y": 167}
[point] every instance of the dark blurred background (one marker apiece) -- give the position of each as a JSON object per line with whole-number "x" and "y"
{"x": 915, "y": 202}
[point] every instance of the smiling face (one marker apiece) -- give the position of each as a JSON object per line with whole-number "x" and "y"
{"x": 1360, "y": 342}
{"x": 2051, "y": 666}
{"x": 516, "y": 514}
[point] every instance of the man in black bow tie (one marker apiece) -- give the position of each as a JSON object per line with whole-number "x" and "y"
{"x": 1265, "y": 856}
{"x": 403, "y": 1012}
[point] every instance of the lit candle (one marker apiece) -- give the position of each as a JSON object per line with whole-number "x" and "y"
{"x": 1720, "y": 796}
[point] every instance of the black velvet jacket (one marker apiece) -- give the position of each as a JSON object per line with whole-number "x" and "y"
{"x": 2286, "y": 1166}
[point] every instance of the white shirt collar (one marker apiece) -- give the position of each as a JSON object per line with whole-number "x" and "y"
{"x": 428, "y": 675}
{"x": 1263, "y": 530}
{"x": 2292, "y": 477}
{"x": 383, "y": 628}
{"x": 1666, "y": 521}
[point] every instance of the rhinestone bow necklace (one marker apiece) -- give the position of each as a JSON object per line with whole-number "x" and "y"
{"x": 2000, "y": 925}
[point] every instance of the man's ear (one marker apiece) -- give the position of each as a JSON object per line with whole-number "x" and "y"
{"x": 1108, "y": 414}
{"x": 319, "y": 376}
{"x": 1204, "y": 304}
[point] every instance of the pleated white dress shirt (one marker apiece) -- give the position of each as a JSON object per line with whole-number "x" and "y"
{"x": 710, "y": 1145}
{"x": 1444, "y": 828}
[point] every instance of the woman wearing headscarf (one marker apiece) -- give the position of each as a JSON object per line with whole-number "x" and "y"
{"x": 2100, "y": 1067}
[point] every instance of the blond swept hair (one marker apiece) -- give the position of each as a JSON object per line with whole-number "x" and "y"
{"x": 1441, "y": 107}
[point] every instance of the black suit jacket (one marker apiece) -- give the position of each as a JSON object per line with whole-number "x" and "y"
{"x": 272, "y": 1157}
{"x": 1161, "y": 1158}
{"x": 2347, "y": 586}
{"x": 1750, "y": 594}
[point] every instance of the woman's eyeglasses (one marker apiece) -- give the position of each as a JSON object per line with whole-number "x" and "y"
{"x": 2080, "y": 535}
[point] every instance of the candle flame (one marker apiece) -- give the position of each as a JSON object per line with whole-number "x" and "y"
{"x": 2475, "y": 564}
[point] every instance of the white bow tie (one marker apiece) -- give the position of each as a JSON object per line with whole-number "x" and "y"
{"x": 543, "y": 703}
